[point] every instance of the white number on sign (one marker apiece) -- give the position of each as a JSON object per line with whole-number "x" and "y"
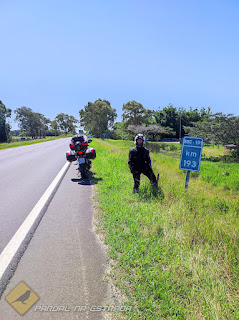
{"x": 194, "y": 164}
{"x": 189, "y": 163}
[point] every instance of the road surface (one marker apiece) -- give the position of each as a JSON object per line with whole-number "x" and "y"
{"x": 25, "y": 173}
{"x": 64, "y": 263}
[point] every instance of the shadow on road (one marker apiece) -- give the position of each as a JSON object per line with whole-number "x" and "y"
{"x": 82, "y": 181}
{"x": 87, "y": 181}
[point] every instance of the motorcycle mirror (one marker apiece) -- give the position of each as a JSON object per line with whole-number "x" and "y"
{"x": 90, "y": 140}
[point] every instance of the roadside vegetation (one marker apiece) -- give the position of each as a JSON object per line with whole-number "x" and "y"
{"x": 175, "y": 149}
{"x": 20, "y": 143}
{"x": 174, "y": 255}
{"x": 217, "y": 165}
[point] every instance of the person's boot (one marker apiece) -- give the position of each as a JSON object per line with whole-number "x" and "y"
{"x": 135, "y": 190}
{"x": 155, "y": 184}
{"x": 157, "y": 180}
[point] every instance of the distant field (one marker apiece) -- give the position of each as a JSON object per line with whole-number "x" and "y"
{"x": 174, "y": 255}
{"x": 175, "y": 149}
{"x": 214, "y": 151}
{"x": 223, "y": 174}
{"x": 26, "y": 142}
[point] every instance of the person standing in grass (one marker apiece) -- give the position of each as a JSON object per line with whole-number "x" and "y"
{"x": 139, "y": 162}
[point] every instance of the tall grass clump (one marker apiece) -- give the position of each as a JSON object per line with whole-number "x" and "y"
{"x": 175, "y": 254}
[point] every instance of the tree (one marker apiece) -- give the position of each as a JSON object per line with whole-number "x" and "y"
{"x": 168, "y": 116}
{"x": 4, "y": 126}
{"x": 218, "y": 128}
{"x": 15, "y": 133}
{"x": 149, "y": 117}
{"x": 42, "y": 124}
{"x": 66, "y": 123}
{"x": 118, "y": 132}
{"x": 135, "y": 114}
{"x": 156, "y": 132}
{"x": 135, "y": 129}
{"x": 153, "y": 131}
{"x": 173, "y": 118}
{"x": 32, "y": 123}
{"x": 26, "y": 121}
{"x": 194, "y": 115}
{"x": 55, "y": 128}
{"x": 97, "y": 117}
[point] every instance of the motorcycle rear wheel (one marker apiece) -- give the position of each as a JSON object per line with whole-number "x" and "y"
{"x": 83, "y": 170}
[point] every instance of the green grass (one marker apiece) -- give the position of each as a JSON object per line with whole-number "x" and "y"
{"x": 213, "y": 169}
{"x": 175, "y": 254}
{"x": 225, "y": 175}
{"x": 27, "y": 142}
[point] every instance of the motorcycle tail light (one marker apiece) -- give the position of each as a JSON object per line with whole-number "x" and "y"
{"x": 80, "y": 152}
{"x": 72, "y": 145}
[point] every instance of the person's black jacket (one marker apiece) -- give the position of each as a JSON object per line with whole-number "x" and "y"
{"x": 139, "y": 159}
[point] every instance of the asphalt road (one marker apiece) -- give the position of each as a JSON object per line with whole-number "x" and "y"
{"x": 25, "y": 174}
{"x": 64, "y": 263}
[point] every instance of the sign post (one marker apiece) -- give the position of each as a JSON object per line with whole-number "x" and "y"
{"x": 191, "y": 156}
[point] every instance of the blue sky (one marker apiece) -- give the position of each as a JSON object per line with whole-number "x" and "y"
{"x": 57, "y": 55}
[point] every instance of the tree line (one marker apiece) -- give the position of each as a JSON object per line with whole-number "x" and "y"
{"x": 218, "y": 128}
{"x": 34, "y": 124}
{"x": 98, "y": 118}
{"x": 4, "y": 126}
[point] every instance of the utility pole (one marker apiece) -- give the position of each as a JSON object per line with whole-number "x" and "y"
{"x": 180, "y": 128}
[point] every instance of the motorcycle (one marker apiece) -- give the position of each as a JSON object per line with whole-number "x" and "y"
{"x": 80, "y": 151}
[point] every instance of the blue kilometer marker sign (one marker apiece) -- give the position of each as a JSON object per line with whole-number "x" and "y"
{"x": 191, "y": 154}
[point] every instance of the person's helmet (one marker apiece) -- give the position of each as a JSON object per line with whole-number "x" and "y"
{"x": 139, "y": 136}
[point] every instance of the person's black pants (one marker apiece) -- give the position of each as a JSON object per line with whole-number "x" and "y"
{"x": 148, "y": 172}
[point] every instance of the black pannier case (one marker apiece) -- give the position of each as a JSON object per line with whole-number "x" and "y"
{"x": 70, "y": 156}
{"x": 90, "y": 153}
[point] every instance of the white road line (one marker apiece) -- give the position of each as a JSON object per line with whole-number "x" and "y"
{"x": 14, "y": 244}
